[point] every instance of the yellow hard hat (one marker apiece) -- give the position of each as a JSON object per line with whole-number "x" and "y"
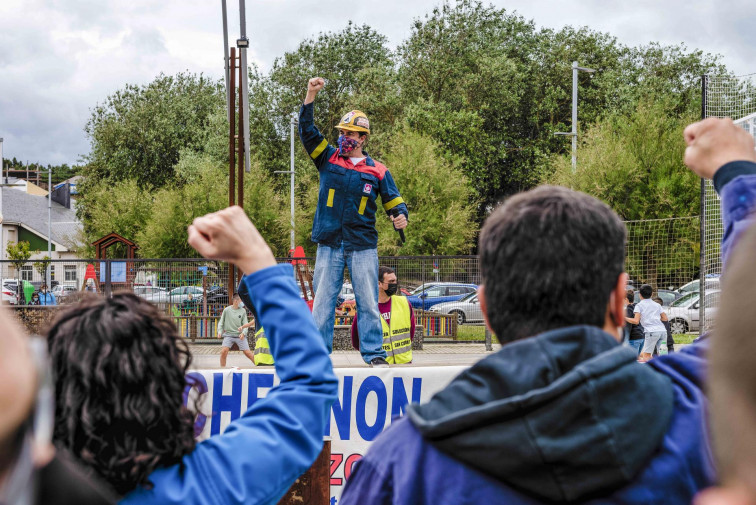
{"x": 354, "y": 121}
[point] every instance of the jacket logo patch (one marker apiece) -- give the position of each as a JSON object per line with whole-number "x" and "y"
{"x": 368, "y": 188}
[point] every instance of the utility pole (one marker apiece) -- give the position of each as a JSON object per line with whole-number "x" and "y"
{"x": 49, "y": 226}
{"x": 225, "y": 52}
{"x": 293, "y": 125}
{"x": 243, "y": 44}
{"x": 574, "y": 132}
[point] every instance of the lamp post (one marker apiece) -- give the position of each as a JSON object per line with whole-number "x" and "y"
{"x": 292, "y": 125}
{"x": 574, "y": 132}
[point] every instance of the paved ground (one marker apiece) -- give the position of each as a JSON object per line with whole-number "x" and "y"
{"x": 206, "y": 356}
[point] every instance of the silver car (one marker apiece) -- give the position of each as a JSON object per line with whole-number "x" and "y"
{"x": 152, "y": 293}
{"x": 181, "y": 294}
{"x": 466, "y": 309}
{"x": 684, "y": 313}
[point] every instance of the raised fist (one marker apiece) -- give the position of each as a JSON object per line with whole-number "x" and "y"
{"x": 315, "y": 84}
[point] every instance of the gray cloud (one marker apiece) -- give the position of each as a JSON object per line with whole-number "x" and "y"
{"x": 59, "y": 58}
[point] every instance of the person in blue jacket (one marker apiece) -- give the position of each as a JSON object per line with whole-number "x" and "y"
{"x": 344, "y": 223}
{"x": 721, "y": 151}
{"x": 562, "y": 413}
{"x": 119, "y": 368}
{"x": 46, "y": 297}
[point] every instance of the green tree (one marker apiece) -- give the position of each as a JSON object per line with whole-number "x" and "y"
{"x": 139, "y": 131}
{"x": 634, "y": 164}
{"x": 18, "y": 253}
{"x": 204, "y": 189}
{"x": 41, "y": 266}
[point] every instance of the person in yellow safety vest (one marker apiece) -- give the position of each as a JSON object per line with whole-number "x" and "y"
{"x": 397, "y": 320}
{"x": 262, "y": 349}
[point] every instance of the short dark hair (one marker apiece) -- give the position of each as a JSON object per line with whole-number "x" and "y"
{"x": 119, "y": 367}
{"x": 630, "y": 295}
{"x": 382, "y": 271}
{"x": 658, "y": 300}
{"x": 646, "y": 291}
{"x": 236, "y": 295}
{"x": 549, "y": 258}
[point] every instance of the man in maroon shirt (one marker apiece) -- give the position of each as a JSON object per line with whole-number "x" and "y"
{"x": 397, "y": 338}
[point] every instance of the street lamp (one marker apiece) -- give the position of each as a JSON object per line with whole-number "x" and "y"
{"x": 293, "y": 125}
{"x": 573, "y": 133}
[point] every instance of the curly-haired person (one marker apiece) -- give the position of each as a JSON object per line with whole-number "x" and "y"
{"x": 120, "y": 365}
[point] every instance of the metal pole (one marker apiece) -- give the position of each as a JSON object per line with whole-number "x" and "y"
{"x": 225, "y": 51}
{"x": 574, "y": 114}
{"x": 231, "y": 152}
{"x": 243, "y": 84}
{"x": 293, "y": 124}
{"x": 49, "y": 226}
{"x": 702, "y": 248}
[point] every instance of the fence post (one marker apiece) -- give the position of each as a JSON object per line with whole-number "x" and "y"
{"x": 108, "y": 287}
{"x": 489, "y": 346}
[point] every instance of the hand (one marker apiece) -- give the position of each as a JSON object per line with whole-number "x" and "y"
{"x": 220, "y": 335}
{"x": 241, "y": 336}
{"x": 315, "y": 84}
{"x": 714, "y": 142}
{"x": 400, "y": 221}
{"x": 229, "y": 235}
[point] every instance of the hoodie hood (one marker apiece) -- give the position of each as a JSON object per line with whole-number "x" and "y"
{"x": 563, "y": 416}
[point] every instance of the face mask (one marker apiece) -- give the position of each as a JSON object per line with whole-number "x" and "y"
{"x": 346, "y": 145}
{"x": 391, "y": 289}
{"x": 241, "y": 304}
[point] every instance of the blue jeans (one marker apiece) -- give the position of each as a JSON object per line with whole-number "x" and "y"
{"x": 328, "y": 280}
{"x": 636, "y": 344}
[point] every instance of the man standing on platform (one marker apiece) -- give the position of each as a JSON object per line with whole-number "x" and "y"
{"x": 344, "y": 224}
{"x": 397, "y": 319}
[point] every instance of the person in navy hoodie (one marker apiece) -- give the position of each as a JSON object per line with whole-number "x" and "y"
{"x": 562, "y": 413}
{"x": 721, "y": 151}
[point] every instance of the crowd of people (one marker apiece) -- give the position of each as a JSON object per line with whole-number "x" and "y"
{"x": 563, "y": 413}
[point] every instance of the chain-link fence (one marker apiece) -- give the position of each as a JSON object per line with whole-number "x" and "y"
{"x": 442, "y": 290}
{"x": 723, "y": 96}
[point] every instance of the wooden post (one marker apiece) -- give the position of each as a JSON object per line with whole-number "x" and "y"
{"x": 314, "y": 486}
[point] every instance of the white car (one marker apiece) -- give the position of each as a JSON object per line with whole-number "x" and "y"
{"x": 684, "y": 313}
{"x": 152, "y": 293}
{"x": 9, "y": 289}
{"x": 347, "y": 292}
{"x": 466, "y": 309}
{"x": 181, "y": 294}
{"x": 61, "y": 291}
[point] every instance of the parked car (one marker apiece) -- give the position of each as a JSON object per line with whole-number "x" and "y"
{"x": 9, "y": 290}
{"x": 180, "y": 294}
{"x": 347, "y": 292}
{"x": 152, "y": 293}
{"x": 467, "y": 309}
{"x": 440, "y": 293}
{"x": 684, "y": 313}
{"x": 694, "y": 286}
{"x": 61, "y": 291}
{"x": 666, "y": 295}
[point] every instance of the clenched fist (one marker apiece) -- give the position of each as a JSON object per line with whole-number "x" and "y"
{"x": 315, "y": 84}
{"x": 714, "y": 142}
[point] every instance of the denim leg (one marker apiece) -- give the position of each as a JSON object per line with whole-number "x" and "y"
{"x": 327, "y": 281}
{"x": 363, "y": 268}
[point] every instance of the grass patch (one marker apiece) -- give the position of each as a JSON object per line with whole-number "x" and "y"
{"x": 685, "y": 338}
{"x": 471, "y": 332}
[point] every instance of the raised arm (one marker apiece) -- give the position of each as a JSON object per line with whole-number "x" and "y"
{"x": 261, "y": 454}
{"x": 313, "y": 141}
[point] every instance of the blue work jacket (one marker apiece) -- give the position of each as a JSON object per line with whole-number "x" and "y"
{"x": 346, "y": 201}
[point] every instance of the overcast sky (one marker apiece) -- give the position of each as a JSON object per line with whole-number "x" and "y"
{"x": 58, "y": 58}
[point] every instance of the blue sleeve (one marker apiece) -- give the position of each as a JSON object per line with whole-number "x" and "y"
{"x": 736, "y": 184}
{"x": 313, "y": 141}
{"x": 390, "y": 196}
{"x": 262, "y": 453}
{"x": 367, "y": 486}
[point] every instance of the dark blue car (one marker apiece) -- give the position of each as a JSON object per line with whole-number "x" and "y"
{"x": 440, "y": 292}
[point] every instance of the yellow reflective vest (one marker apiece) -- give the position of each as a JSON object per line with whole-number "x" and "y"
{"x": 397, "y": 341}
{"x": 262, "y": 349}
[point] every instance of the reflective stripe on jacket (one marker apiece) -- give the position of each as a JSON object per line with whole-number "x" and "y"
{"x": 262, "y": 349}
{"x": 397, "y": 341}
{"x": 347, "y": 198}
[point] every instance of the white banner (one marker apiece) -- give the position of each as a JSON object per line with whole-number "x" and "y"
{"x": 369, "y": 398}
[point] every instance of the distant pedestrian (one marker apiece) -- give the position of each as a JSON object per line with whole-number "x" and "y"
{"x": 232, "y": 326}
{"x": 46, "y": 297}
{"x": 34, "y": 299}
{"x": 650, "y": 315}
{"x": 670, "y": 340}
{"x": 634, "y": 331}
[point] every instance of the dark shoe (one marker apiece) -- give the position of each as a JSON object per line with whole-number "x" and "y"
{"x": 379, "y": 363}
